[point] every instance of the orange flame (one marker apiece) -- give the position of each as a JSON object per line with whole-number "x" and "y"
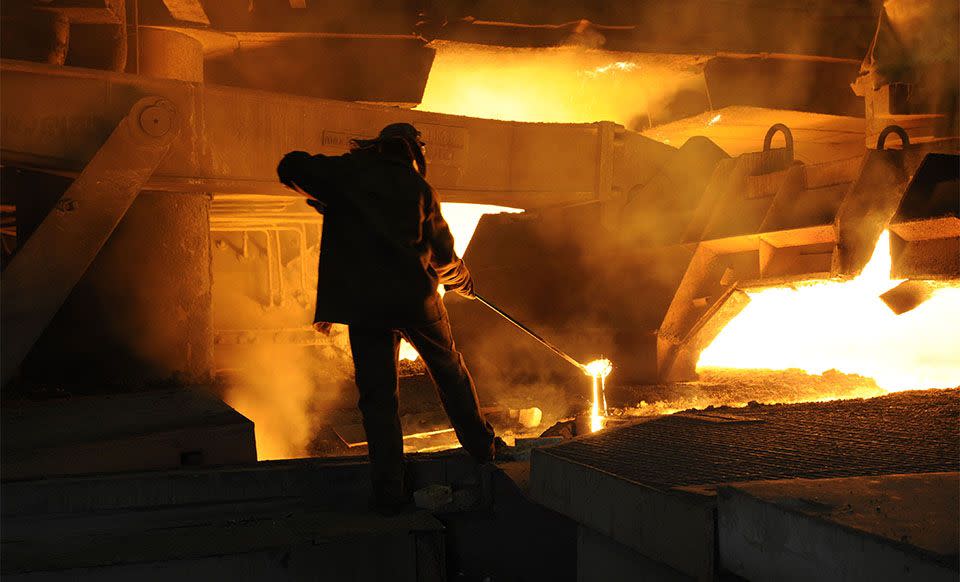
{"x": 845, "y": 326}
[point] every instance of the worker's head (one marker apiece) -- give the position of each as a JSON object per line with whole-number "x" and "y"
{"x": 400, "y": 139}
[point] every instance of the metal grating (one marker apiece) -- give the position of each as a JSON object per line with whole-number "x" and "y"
{"x": 908, "y": 432}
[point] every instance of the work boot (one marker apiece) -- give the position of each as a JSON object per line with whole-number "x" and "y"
{"x": 390, "y": 500}
{"x": 390, "y": 506}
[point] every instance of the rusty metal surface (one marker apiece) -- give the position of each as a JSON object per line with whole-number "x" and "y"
{"x": 909, "y": 432}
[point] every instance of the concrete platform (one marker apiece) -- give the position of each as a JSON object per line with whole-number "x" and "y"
{"x": 253, "y": 541}
{"x": 294, "y": 519}
{"x": 284, "y": 520}
{"x": 650, "y": 486}
{"x": 123, "y": 432}
{"x": 601, "y": 558}
{"x": 343, "y": 484}
{"x": 895, "y": 527}
{"x": 674, "y": 528}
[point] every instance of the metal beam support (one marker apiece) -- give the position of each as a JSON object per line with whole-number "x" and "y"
{"x": 470, "y": 160}
{"x": 48, "y": 266}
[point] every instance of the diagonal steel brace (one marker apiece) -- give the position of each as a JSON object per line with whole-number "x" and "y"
{"x": 45, "y": 270}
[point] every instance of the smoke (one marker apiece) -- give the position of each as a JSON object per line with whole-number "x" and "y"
{"x": 918, "y": 44}
{"x": 288, "y": 391}
{"x": 688, "y": 26}
{"x": 271, "y": 365}
{"x": 565, "y": 84}
{"x": 512, "y": 369}
{"x": 571, "y": 279}
{"x": 669, "y": 43}
{"x": 586, "y": 37}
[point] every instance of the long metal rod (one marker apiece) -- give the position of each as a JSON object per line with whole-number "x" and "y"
{"x": 532, "y": 334}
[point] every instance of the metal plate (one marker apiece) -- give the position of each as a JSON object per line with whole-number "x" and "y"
{"x": 908, "y": 432}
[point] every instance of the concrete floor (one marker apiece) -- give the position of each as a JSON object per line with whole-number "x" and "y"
{"x": 651, "y": 486}
{"x": 760, "y": 492}
{"x": 284, "y": 520}
{"x": 904, "y": 527}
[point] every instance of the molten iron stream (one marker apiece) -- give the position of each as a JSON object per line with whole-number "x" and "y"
{"x": 598, "y": 370}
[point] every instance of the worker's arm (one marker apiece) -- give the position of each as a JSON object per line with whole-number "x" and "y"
{"x": 312, "y": 175}
{"x": 451, "y": 270}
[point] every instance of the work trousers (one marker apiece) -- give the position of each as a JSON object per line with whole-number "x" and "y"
{"x": 375, "y": 352}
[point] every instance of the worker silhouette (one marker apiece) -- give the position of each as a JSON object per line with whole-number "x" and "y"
{"x": 385, "y": 249}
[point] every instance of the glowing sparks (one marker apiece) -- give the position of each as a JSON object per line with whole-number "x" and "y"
{"x": 612, "y": 67}
{"x": 598, "y": 370}
{"x": 846, "y": 326}
{"x": 714, "y": 120}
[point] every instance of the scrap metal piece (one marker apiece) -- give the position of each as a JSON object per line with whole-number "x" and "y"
{"x": 907, "y": 296}
{"x": 53, "y": 260}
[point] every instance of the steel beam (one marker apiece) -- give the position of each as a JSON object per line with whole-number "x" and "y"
{"x": 85, "y": 11}
{"x": 51, "y": 262}
{"x": 233, "y": 138}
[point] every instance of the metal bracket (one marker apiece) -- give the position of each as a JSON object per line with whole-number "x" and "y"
{"x": 882, "y": 138}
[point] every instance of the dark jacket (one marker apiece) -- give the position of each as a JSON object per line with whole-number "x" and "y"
{"x": 385, "y": 245}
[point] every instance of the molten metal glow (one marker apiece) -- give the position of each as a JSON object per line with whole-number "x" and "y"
{"x": 612, "y": 67}
{"x": 408, "y": 352}
{"x": 845, "y": 326}
{"x": 598, "y": 370}
{"x": 416, "y": 435}
{"x": 567, "y": 84}
{"x": 464, "y": 218}
{"x": 714, "y": 120}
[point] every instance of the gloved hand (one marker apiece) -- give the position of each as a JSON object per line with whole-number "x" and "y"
{"x": 288, "y": 168}
{"x": 464, "y": 289}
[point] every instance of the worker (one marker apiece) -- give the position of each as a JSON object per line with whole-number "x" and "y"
{"x": 385, "y": 250}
